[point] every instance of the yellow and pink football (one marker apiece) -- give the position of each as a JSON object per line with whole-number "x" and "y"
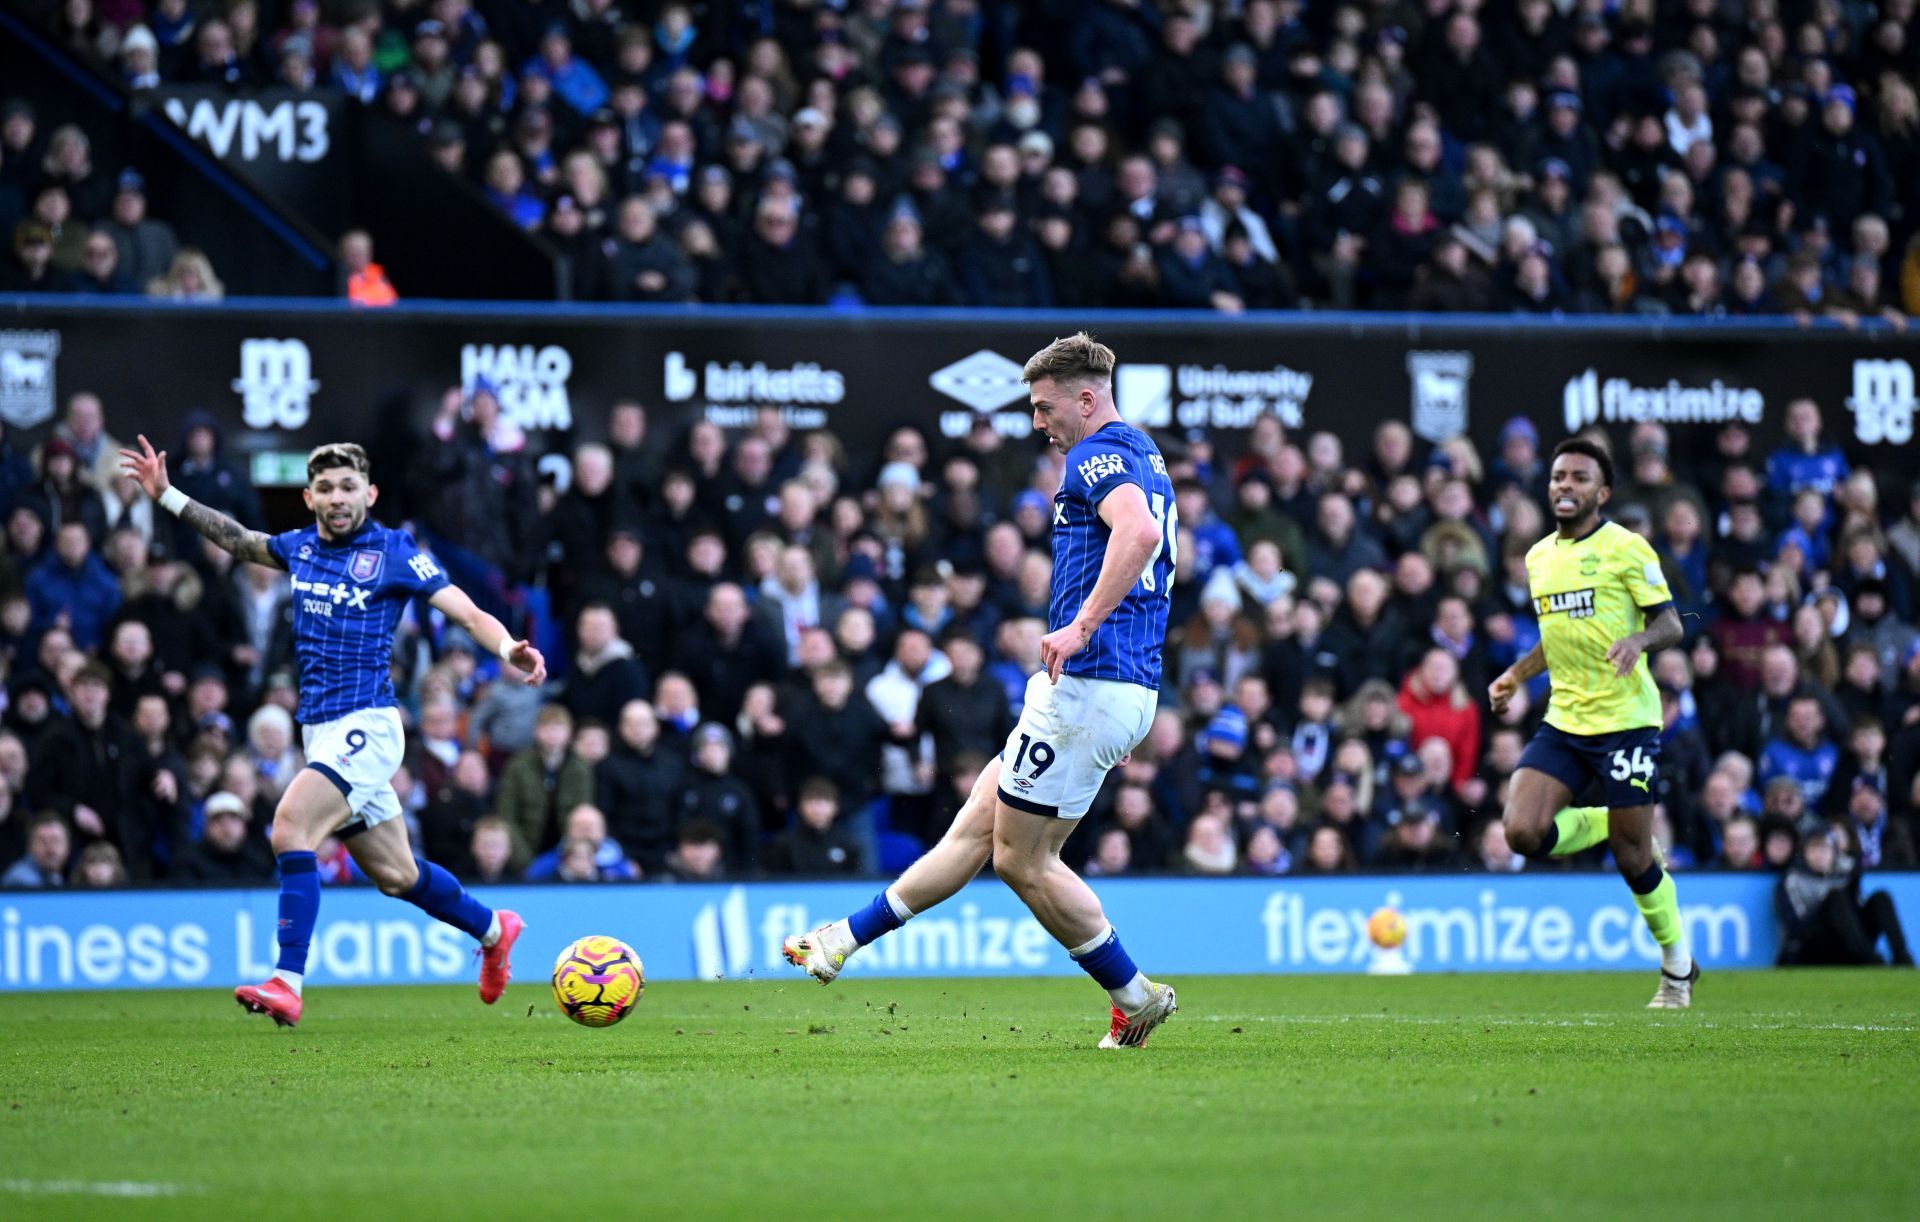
{"x": 597, "y": 980}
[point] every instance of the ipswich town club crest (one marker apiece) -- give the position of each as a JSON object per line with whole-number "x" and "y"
{"x": 365, "y": 566}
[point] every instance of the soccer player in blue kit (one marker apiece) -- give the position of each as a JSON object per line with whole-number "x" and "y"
{"x": 1114, "y": 533}
{"x": 351, "y": 579}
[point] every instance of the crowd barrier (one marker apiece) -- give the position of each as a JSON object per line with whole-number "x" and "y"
{"x": 1455, "y": 923}
{"x": 288, "y": 375}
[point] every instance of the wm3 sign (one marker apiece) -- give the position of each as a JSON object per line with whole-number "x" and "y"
{"x": 245, "y": 129}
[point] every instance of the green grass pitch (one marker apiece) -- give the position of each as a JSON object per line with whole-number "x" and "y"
{"x": 1780, "y": 1095}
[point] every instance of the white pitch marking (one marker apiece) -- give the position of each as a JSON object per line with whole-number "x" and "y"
{"x": 95, "y": 1188}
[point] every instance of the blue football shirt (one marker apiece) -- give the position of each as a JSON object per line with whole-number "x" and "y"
{"x": 1126, "y": 646}
{"x": 347, "y": 599}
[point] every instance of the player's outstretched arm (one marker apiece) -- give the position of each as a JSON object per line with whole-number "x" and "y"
{"x": 489, "y": 633}
{"x": 149, "y": 470}
{"x": 1130, "y": 545}
{"x": 1500, "y": 692}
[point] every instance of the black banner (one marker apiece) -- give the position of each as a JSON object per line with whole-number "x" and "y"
{"x": 288, "y": 379}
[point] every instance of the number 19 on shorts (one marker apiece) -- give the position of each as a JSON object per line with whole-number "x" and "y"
{"x": 1040, "y": 752}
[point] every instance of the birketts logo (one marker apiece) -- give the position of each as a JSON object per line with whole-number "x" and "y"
{"x": 530, "y": 381}
{"x": 735, "y": 391}
{"x": 1209, "y": 396}
{"x": 1882, "y": 402}
{"x": 1588, "y": 400}
{"x": 1439, "y": 387}
{"x": 26, "y": 376}
{"x": 276, "y": 384}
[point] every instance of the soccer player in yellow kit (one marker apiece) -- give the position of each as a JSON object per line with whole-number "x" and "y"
{"x": 1603, "y": 605}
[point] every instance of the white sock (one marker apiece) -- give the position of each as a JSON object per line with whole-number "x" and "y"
{"x": 1133, "y": 996}
{"x": 1677, "y": 960}
{"x": 1092, "y": 944}
{"x": 290, "y": 979}
{"x": 899, "y": 906}
{"x": 493, "y": 931}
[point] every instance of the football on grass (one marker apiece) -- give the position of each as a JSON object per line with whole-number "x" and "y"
{"x": 597, "y": 980}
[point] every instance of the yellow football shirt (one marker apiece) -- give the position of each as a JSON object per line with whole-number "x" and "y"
{"x": 1589, "y": 593}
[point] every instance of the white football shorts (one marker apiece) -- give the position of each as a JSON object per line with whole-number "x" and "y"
{"x": 360, "y": 753}
{"x": 1070, "y": 736}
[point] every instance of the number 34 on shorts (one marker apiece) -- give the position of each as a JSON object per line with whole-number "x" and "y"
{"x": 1626, "y": 764}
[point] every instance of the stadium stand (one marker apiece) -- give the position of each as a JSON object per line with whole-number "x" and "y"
{"x": 1696, "y": 158}
{"x": 762, "y": 627}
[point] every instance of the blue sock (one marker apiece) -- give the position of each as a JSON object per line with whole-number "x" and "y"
{"x": 875, "y": 919}
{"x": 440, "y": 895}
{"x": 299, "y": 910}
{"x": 1107, "y": 962}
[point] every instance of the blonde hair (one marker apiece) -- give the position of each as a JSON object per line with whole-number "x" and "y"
{"x": 1076, "y": 356}
{"x": 338, "y": 454}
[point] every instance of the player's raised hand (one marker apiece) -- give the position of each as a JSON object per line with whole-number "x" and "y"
{"x": 527, "y": 658}
{"x": 147, "y": 468}
{"x": 1500, "y": 691}
{"x": 1057, "y": 647}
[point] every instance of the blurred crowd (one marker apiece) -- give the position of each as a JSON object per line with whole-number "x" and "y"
{"x": 1702, "y": 158}
{"x": 773, "y": 658}
{"x": 75, "y": 226}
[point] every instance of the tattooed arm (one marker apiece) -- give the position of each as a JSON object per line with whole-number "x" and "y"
{"x": 149, "y": 470}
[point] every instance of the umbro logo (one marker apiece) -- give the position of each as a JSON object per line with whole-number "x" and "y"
{"x": 984, "y": 381}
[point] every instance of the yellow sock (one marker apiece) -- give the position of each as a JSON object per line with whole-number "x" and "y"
{"x": 1660, "y": 908}
{"x": 1580, "y": 827}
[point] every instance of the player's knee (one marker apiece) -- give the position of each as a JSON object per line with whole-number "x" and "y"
{"x": 395, "y": 878}
{"x": 287, "y": 836}
{"x": 1523, "y": 837}
{"x": 1015, "y": 868}
{"x": 1632, "y": 855}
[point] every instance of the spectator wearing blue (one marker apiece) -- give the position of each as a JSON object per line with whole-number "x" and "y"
{"x": 73, "y": 584}
{"x": 1215, "y": 546}
{"x": 1193, "y": 277}
{"x": 573, "y": 78}
{"x": 49, "y": 843}
{"x": 1224, "y": 764}
{"x": 1802, "y": 752}
{"x": 1807, "y": 460}
{"x": 585, "y": 825}
{"x": 354, "y": 72}
{"x": 204, "y": 473}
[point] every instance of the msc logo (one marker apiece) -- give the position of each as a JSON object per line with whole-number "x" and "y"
{"x": 1882, "y": 402}
{"x": 1100, "y": 466}
{"x": 985, "y": 381}
{"x": 276, "y": 383}
{"x": 1574, "y": 604}
{"x": 26, "y": 376}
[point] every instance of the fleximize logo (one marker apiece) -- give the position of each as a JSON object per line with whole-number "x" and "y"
{"x": 1587, "y": 400}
